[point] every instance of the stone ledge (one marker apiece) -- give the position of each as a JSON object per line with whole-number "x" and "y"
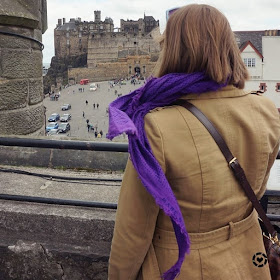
{"x": 54, "y": 242}
{"x": 14, "y": 13}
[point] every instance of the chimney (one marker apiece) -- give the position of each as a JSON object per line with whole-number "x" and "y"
{"x": 63, "y": 21}
{"x": 59, "y": 22}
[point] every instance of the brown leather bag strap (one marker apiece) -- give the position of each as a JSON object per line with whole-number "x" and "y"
{"x": 232, "y": 161}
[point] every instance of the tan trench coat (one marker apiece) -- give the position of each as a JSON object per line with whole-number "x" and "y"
{"x": 224, "y": 231}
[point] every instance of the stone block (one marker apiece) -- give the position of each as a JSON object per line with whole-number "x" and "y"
{"x": 35, "y": 91}
{"x": 21, "y": 64}
{"x": 13, "y": 94}
{"x": 22, "y": 122}
{"x": 19, "y": 13}
{"x": 13, "y": 42}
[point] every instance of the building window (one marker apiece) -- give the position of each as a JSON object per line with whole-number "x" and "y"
{"x": 67, "y": 42}
{"x": 250, "y": 62}
{"x": 144, "y": 69}
{"x": 80, "y": 34}
{"x": 67, "y": 34}
{"x": 277, "y": 87}
{"x": 263, "y": 87}
{"x": 80, "y": 41}
{"x": 129, "y": 72}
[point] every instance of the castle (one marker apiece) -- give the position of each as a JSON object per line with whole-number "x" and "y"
{"x": 111, "y": 52}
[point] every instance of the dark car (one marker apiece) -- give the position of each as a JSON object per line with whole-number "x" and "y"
{"x": 65, "y": 118}
{"x": 63, "y": 127}
{"x": 52, "y": 125}
{"x": 54, "y": 117}
{"x": 65, "y": 107}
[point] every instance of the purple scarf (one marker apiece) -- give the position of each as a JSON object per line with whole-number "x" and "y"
{"x": 126, "y": 114}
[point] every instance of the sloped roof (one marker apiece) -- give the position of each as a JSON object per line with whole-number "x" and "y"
{"x": 255, "y": 37}
{"x": 67, "y": 26}
{"x": 248, "y": 43}
{"x": 149, "y": 18}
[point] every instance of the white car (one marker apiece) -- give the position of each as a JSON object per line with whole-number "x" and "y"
{"x": 93, "y": 87}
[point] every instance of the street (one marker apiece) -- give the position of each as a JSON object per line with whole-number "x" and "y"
{"x": 98, "y": 117}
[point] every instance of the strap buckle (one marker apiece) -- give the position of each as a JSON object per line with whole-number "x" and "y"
{"x": 232, "y": 161}
{"x": 273, "y": 239}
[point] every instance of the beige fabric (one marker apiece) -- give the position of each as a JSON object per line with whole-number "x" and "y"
{"x": 207, "y": 192}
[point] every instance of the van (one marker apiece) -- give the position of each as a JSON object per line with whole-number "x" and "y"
{"x": 84, "y": 81}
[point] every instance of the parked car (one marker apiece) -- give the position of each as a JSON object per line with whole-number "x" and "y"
{"x": 93, "y": 87}
{"x": 52, "y": 125}
{"x": 65, "y": 107}
{"x": 63, "y": 127}
{"x": 54, "y": 117}
{"x": 65, "y": 118}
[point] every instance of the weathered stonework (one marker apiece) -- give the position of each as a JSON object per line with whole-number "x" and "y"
{"x": 21, "y": 87}
{"x": 24, "y": 121}
{"x": 113, "y": 70}
{"x": 108, "y": 53}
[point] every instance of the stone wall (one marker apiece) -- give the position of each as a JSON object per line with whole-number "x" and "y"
{"x": 109, "y": 47}
{"x": 21, "y": 82}
{"x": 113, "y": 70}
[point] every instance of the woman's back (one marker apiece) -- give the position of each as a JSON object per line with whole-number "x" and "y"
{"x": 209, "y": 196}
{"x": 196, "y": 169}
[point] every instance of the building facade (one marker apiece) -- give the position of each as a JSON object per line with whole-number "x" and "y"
{"x": 132, "y": 49}
{"x": 260, "y": 53}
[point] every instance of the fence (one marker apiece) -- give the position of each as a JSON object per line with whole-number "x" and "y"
{"x": 95, "y": 146}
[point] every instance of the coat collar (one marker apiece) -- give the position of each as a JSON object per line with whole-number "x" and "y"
{"x": 228, "y": 91}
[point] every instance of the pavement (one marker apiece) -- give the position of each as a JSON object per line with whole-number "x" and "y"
{"x": 97, "y": 117}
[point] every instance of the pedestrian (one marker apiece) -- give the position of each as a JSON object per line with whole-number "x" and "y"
{"x": 88, "y": 127}
{"x": 87, "y": 121}
{"x": 95, "y": 133}
{"x": 97, "y": 105}
{"x": 83, "y": 114}
{"x": 94, "y": 105}
{"x": 178, "y": 192}
{"x": 101, "y": 133}
{"x": 86, "y": 102}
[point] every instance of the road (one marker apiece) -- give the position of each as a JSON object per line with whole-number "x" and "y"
{"x": 96, "y": 116}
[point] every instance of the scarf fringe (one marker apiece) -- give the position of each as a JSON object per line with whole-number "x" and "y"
{"x": 171, "y": 274}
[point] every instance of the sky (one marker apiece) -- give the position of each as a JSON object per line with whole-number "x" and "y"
{"x": 242, "y": 15}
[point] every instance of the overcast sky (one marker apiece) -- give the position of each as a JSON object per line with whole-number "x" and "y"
{"x": 242, "y": 15}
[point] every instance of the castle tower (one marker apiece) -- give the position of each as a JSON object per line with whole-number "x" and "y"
{"x": 97, "y": 16}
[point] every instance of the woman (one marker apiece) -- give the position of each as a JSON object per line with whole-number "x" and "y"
{"x": 178, "y": 193}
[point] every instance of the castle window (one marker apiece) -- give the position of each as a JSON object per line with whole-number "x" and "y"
{"x": 80, "y": 41}
{"x": 129, "y": 70}
{"x": 144, "y": 69}
{"x": 67, "y": 42}
{"x": 263, "y": 87}
{"x": 80, "y": 34}
{"x": 67, "y": 34}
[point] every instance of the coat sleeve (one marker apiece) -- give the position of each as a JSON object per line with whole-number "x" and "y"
{"x": 136, "y": 217}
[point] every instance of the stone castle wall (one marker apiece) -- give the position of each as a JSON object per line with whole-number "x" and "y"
{"x": 112, "y": 70}
{"x": 21, "y": 84}
{"x": 112, "y": 47}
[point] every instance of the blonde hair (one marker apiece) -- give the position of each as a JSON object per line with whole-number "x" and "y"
{"x": 198, "y": 38}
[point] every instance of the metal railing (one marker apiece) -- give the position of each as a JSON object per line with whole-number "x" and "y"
{"x": 93, "y": 146}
